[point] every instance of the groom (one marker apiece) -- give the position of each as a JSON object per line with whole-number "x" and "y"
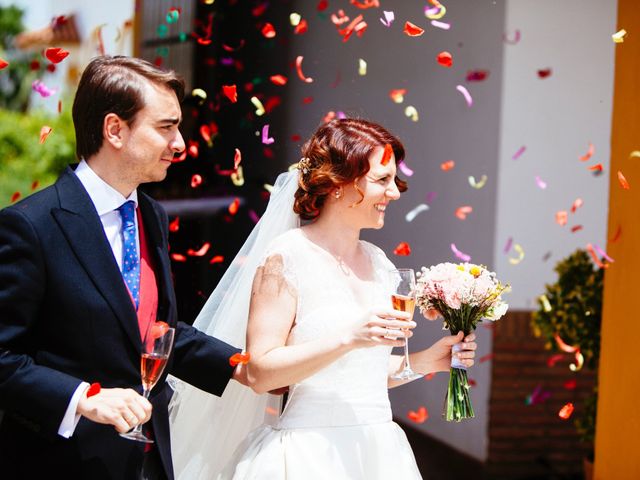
{"x": 84, "y": 269}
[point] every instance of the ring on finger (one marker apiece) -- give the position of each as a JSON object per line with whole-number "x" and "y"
{"x": 392, "y": 333}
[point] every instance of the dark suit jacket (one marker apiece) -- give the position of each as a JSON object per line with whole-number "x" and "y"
{"x": 66, "y": 317}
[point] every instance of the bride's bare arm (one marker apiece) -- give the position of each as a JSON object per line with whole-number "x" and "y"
{"x": 271, "y": 316}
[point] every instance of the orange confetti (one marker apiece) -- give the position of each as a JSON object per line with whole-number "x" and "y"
{"x": 413, "y": 30}
{"x": 570, "y": 384}
{"x": 366, "y": 4}
{"x": 561, "y": 217}
{"x": 3, "y": 63}
{"x": 59, "y": 106}
{"x": 357, "y": 25}
{"x": 418, "y": 417}
{"x": 268, "y": 31}
{"x": 34, "y": 185}
{"x": 237, "y": 158}
{"x": 616, "y": 235}
{"x": 566, "y": 411}
{"x": 301, "y": 76}
{"x": 398, "y": 95}
{"x": 563, "y": 346}
{"x": 178, "y": 257}
{"x": 217, "y": 259}
{"x": 576, "y": 228}
{"x": 596, "y": 168}
{"x": 55, "y": 55}
{"x": 231, "y": 92}
{"x": 233, "y": 208}
{"x": 589, "y": 153}
{"x": 386, "y": 156}
{"x": 237, "y": 358}
{"x": 174, "y": 226}
{"x": 623, "y": 181}
{"x": 44, "y": 133}
{"x": 196, "y": 180}
{"x": 595, "y": 257}
{"x": 278, "y": 80}
{"x": 200, "y": 252}
{"x": 403, "y": 249}
{"x": 576, "y": 205}
{"x": 445, "y": 59}
{"x": 15, "y": 196}
{"x": 448, "y": 165}
{"x": 301, "y": 28}
{"x": 462, "y": 212}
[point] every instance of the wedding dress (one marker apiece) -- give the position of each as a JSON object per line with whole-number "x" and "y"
{"x": 337, "y": 423}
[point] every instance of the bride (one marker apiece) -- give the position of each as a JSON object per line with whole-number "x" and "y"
{"x": 319, "y": 322}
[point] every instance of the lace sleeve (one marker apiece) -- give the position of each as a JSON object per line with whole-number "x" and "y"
{"x": 278, "y": 262}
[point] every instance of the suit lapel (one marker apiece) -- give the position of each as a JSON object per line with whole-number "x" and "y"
{"x": 81, "y": 225}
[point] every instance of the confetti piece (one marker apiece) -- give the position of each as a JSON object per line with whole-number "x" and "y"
{"x": 34, "y": 185}
{"x": 561, "y": 218}
{"x": 265, "y": 135}
{"x": 174, "y": 226}
{"x": 442, "y": 25}
{"x": 278, "y": 80}
{"x": 418, "y": 417}
{"x": 507, "y": 246}
{"x": 200, "y": 93}
{"x": 462, "y": 256}
{"x": 301, "y": 28}
{"x": 563, "y": 346}
{"x": 448, "y": 165}
{"x": 412, "y": 113}
{"x": 566, "y": 411}
{"x": 541, "y": 183}
{"x": 200, "y": 252}
{"x": 623, "y": 181}
{"x": 589, "y": 153}
{"x": 516, "y": 38}
{"x": 478, "y": 184}
{"x": 398, "y": 95}
{"x": 339, "y": 18}
{"x": 518, "y": 153}
{"x": 462, "y": 212}
{"x": 574, "y": 367}
{"x": 45, "y": 130}
{"x": 233, "y": 207}
{"x": 618, "y": 37}
{"x": 429, "y": 376}
{"x": 445, "y": 59}
{"x": 301, "y": 76}
{"x": 3, "y": 63}
{"x": 15, "y": 196}
{"x": 546, "y": 306}
{"x": 570, "y": 384}
{"x": 595, "y": 257}
{"x": 192, "y": 149}
{"x": 259, "y": 107}
{"x": 465, "y": 93}
{"x": 268, "y": 31}
{"x": 231, "y": 92}
{"x": 294, "y": 19}
{"x": 196, "y": 180}
{"x": 544, "y": 73}
{"x": 237, "y": 177}
{"x": 577, "y": 203}
{"x": 237, "y": 158}
{"x": 472, "y": 382}
{"x": 55, "y": 55}
{"x": 435, "y": 13}
{"x": 519, "y": 250}
{"x": 366, "y": 4}
{"x": 388, "y": 19}
{"x": 216, "y": 259}
{"x": 635, "y": 154}
{"x": 537, "y": 396}
{"x": 403, "y": 249}
{"x": 59, "y": 106}
{"x": 553, "y": 359}
{"x": 411, "y": 215}
{"x": 322, "y": 5}
{"x": 178, "y": 257}
{"x": 596, "y": 168}
{"x": 357, "y": 25}
{"x": 603, "y": 253}
{"x": 404, "y": 169}
{"x": 386, "y": 155}
{"x": 576, "y": 228}
{"x": 237, "y": 358}
{"x": 616, "y": 235}
{"x": 44, "y": 91}
{"x": 477, "y": 75}
{"x": 362, "y": 67}
{"x": 412, "y": 30}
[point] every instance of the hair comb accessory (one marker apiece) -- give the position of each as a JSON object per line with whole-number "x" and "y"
{"x": 304, "y": 165}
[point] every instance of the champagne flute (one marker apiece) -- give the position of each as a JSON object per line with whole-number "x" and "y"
{"x": 403, "y": 297}
{"x": 156, "y": 348}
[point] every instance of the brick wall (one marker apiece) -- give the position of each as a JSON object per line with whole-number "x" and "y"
{"x": 531, "y": 441}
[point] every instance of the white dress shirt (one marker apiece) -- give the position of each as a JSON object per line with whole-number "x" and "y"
{"x": 106, "y": 200}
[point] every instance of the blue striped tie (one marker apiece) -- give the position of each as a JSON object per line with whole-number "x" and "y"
{"x": 130, "y": 262}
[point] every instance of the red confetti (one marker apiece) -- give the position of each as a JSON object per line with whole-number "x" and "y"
{"x": 544, "y": 73}
{"x": 462, "y": 212}
{"x": 15, "y": 196}
{"x": 237, "y": 158}
{"x": 307, "y": 100}
{"x": 44, "y": 133}
{"x": 93, "y": 389}
{"x": 174, "y": 226}
{"x": 230, "y": 91}
{"x": 418, "y": 417}
{"x": 200, "y": 252}
{"x": 448, "y": 165}
{"x": 233, "y": 208}
{"x": 192, "y": 149}
{"x": 217, "y": 259}
{"x": 357, "y": 25}
{"x": 472, "y": 382}
{"x": 553, "y": 359}
{"x": 412, "y": 30}
{"x": 595, "y": 257}
{"x": 429, "y": 376}
{"x": 570, "y": 384}
{"x": 178, "y": 257}
{"x": 616, "y": 236}
{"x": 386, "y": 156}
{"x": 477, "y": 75}
{"x": 51, "y": 68}
{"x": 403, "y": 249}
{"x": 566, "y": 411}
{"x": 196, "y": 180}
{"x": 623, "y": 181}
{"x": 237, "y": 358}
{"x": 445, "y": 59}
{"x": 59, "y": 106}
{"x": 278, "y": 80}
{"x": 596, "y": 168}
{"x": 366, "y": 4}
{"x": 576, "y": 205}
{"x": 563, "y": 346}
{"x": 55, "y": 55}
{"x": 205, "y": 132}
{"x": 301, "y": 28}
{"x": 589, "y": 153}
{"x": 34, "y": 65}
{"x": 268, "y": 31}
{"x": 576, "y": 228}
{"x": 3, "y": 63}
{"x": 322, "y": 5}
{"x": 301, "y": 76}
{"x": 34, "y": 185}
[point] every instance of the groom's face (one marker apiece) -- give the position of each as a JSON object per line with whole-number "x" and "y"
{"x": 152, "y": 139}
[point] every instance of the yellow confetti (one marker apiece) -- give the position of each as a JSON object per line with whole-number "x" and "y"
{"x": 635, "y": 154}
{"x": 412, "y": 113}
{"x": 268, "y": 188}
{"x": 295, "y": 18}
{"x": 259, "y": 107}
{"x": 362, "y": 67}
{"x": 200, "y": 93}
{"x": 478, "y": 184}
{"x": 545, "y": 303}
{"x": 520, "y": 251}
{"x": 579, "y": 362}
{"x": 618, "y": 37}
{"x": 435, "y": 13}
{"x": 237, "y": 177}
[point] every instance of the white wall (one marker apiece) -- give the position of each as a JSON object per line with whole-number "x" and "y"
{"x": 555, "y": 118}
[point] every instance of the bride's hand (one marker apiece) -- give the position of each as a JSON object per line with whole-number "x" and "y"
{"x": 440, "y": 353}
{"x": 382, "y": 326}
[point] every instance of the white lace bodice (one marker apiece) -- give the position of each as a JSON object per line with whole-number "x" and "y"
{"x": 353, "y": 389}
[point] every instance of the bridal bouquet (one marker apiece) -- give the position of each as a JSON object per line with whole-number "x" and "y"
{"x": 462, "y": 294}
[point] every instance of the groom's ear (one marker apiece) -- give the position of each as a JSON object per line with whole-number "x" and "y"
{"x": 114, "y": 131}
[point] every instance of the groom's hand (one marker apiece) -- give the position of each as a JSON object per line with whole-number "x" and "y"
{"x": 122, "y": 408}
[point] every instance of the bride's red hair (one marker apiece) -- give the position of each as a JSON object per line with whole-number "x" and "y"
{"x": 338, "y": 154}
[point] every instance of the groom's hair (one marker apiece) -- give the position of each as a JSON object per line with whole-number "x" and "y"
{"x": 336, "y": 155}
{"x": 114, "y": 85}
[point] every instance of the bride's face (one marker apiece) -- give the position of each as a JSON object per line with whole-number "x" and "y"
{"x": 378, "y": 187}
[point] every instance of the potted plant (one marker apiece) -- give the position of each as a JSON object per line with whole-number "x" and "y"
{"x": 571, "y": 310}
